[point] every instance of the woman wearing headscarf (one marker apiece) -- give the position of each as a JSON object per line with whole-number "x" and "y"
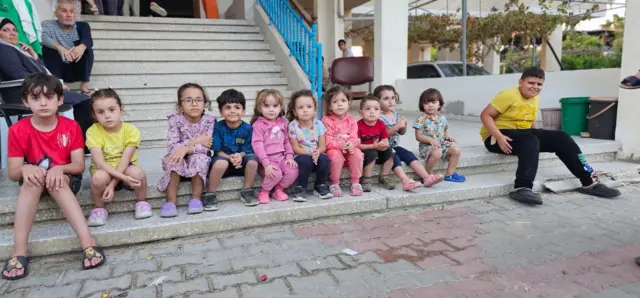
{"x": 20, "y": 60}
{"x": 26, "y": 19}
{"x": 68, "y": 52}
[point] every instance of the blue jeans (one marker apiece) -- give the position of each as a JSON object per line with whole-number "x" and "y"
{"x": 403, "y": 155}
{"x": 306, "y": 166}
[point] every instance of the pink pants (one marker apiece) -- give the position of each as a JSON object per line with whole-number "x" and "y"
{"x": 285, "y": 175}
{"x": 337, "y": 159}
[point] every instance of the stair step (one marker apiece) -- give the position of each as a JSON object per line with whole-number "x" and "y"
{"x": 168, "y": 35}
{"x": 181, "y": 55}
{"x": 161, "y": 67}
{"x": 54, "y": 237}
{"x": 159, "y": 21}
{"x": 137, "y": 99}
{"x": 176, "y": 80}
{"x": 190, "y": 28}
{"x": 158, "y": 117}
{"x": 171, "y": 106}
{"x": 125, "y": 44}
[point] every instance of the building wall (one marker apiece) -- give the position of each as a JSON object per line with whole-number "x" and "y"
{"x": 44, "y": 8}
{"x": 468, "y": 96}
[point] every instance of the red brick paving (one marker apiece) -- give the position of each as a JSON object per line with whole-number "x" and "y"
{"x": 449, "y": 238}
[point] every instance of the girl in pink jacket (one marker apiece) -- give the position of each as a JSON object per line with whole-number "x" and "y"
{"x": 270, "y": 142}
{"x": 342, "y": 140}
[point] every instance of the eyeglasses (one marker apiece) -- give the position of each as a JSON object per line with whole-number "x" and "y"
{"x": 190, "y": 100}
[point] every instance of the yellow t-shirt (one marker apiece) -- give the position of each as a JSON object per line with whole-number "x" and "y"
{"x": 516, "y": 112}
{"x": 113, "y": 144}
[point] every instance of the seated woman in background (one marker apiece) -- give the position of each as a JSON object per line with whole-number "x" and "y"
{"x": 20, "y": 60}
{"x": 27, "y": 23}
{"x": 67, "y": 51}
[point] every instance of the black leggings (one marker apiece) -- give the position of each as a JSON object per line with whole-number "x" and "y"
{"x": 527, "y": 145}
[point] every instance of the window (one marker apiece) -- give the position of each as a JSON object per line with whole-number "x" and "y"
{"x": 455, "y": 70}
{"x": 422, "y": 71}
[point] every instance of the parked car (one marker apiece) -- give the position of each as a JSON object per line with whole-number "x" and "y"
{"x": 442, "y": 69}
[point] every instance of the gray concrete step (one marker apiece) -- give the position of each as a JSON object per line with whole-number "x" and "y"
{"x": 181, "y": 55}
{"x": 158, "y": 22}
{"x": 166, "y": 95}
{"x": 161, "y": 67}
{"x": 56, "y": 236}
{"x": 125, "y": 44}
{"x": 176, "y": 80}
{"x": 171, "y": 106}
{"x": 190, "y": 28}
{"x": 168, "y": 35}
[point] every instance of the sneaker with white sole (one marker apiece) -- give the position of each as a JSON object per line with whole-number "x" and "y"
{"x": 143, "y": 210}
{"x": 98, "y": 217}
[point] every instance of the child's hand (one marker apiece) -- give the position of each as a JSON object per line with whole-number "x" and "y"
{"x": 108, "y": 194}
{"x": 449, "y": 139}
{"x": 384, "y": 144}
{"x": 236, "y": 160}
{"x": 402, "y": 123}
{"x": 205, "y": 141}
{"x": 435, "y": 144}
{"x": 55, "y": 178}
{"x": 178, "y": 155}
{"x": 270, "y": 171}
{"x": 33, "y": 175}
{"x": 134, "y": 183}
{"x": 315, "y": 155}
{"x": 291, "y": 163}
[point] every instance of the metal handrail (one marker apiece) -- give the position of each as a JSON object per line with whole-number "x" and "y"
{"x": 301, "y": 40}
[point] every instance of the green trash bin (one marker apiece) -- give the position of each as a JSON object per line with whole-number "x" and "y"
{"x": 574, "y": 115}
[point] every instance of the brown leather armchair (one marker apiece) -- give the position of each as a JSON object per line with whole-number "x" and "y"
{"x": 350, "y": 71}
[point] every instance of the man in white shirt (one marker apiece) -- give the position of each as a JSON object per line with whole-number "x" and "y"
{"x": 346, "y": 52}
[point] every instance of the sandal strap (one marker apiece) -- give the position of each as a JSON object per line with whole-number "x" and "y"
{"x": 93, "y": 252}
{"x": 17, "y": 262}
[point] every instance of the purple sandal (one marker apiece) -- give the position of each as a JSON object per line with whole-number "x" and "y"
{"x": 195, "y": 207}
{"x": 169, "y": 210}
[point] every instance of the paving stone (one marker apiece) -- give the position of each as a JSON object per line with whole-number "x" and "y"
{"x": 145, "y": 278}
{"x": 291, "y": 256}
{"x": 16, "y": 294}
{"x": 260, "y": 260}
{"x": 286, "y": 234}
{"x": 195, "y": 285}
{"x": 219, "y": 267}
{"x": 366, "y": 257}
{"x": 192, "y": 248}
{"x": 239, "y": 241}
{"x": 33, "y": 281}
{"x": 222, "y": 281}
{"x": 435, "y": 261}
{"x": 65, "y": 291}
{"x": 121, "y": 283}
{"x": 302, "y": 285}
{"x": 609, "y": 293}
{"x": 171, "y": 250}
{"x": 122, "y": 257}
{"x": 264, "y": 248}
{"x": 217, "y": 256}
{"x": 146, "y": 292}
{"x": 230, "y": 293}
{"x": 277, "y": 288}
{"x": 633, "y": 288}
{"x": 400, "y": 266}
{"x": 319, "y": 264}
{"x": 169, "y": 262}
{"x": 275, "y": 272}
{"x": 149, "y": 266}
{"x": 431, "y": 276}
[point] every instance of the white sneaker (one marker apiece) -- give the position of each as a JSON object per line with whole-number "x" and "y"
{"x": 98, "y": 217}
{"x": 143, "y": 210}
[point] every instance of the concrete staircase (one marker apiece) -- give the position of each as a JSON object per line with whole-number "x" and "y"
{"x": 488, "y": 175}
{"x": 147, "y": 59}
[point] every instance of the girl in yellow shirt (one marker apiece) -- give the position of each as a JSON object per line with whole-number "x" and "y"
{"x": 114, "y": 154}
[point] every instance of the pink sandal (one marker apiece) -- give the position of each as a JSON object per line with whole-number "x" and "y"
{"x": 433, "y": 179}
{"x": 410, "y": 185}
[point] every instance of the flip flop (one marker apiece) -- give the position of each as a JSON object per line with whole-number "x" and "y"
{"x": 630, "y": 82}
{"x": 90, "y": 253}
{"x": 16, "y": 262}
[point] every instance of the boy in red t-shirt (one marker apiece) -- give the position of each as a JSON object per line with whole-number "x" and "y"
{"x": 46, "y": 154}
{"x": 374, "y": 143}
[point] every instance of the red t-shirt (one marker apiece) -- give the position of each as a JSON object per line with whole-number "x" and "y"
{"x": 45, "y": 149}
{"x": 371, "y": 134}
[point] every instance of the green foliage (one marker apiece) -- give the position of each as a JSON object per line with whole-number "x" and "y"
{"x": 591, "y": 62}
{"x": 579, "y": 41}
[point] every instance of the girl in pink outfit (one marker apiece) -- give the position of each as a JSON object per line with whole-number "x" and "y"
{"x": 270, "y": 142}
{"x": 342, "y": 140}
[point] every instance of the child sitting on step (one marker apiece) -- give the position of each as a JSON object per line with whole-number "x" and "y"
{"x": 306, "y": 133}
{"x": 114, "y": 154}
{"x": 233, "y": 155}
{"x": 374, "y": 142}
{"x": 432, "y": 131}
{"x": 188, "y": 155}
{"x": 342, "y": 140}
{"x": 270, "y": 141}
{"x": 397, "y": 126}
{"x": 46, "y": 154}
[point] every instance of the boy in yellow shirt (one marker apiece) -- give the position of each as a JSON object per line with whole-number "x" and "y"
{"x": 508, "y": 127}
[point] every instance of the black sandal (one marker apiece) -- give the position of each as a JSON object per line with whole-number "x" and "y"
{"x": 17, "y": 262}
{"x": 90, "y": 253}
